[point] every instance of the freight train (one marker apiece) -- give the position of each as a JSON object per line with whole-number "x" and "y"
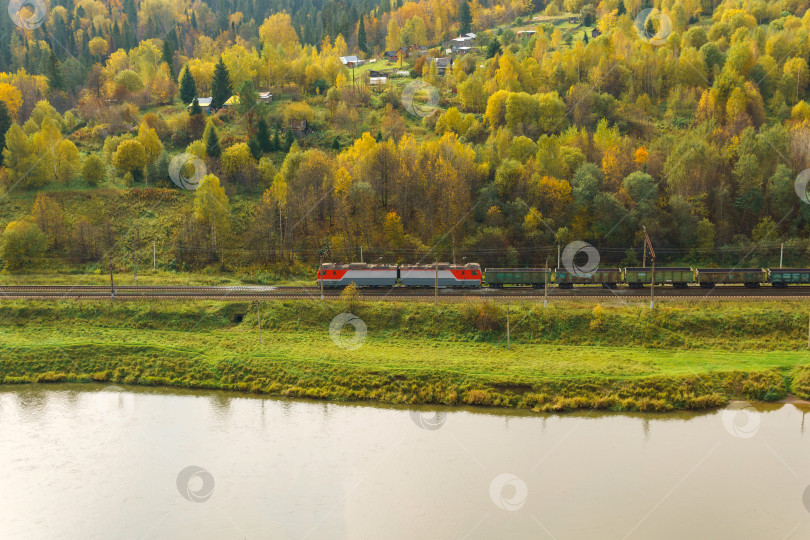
{"x": 470, "y": 276}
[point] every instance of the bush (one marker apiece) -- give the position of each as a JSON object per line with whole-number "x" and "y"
{"x": 22, "y": 243}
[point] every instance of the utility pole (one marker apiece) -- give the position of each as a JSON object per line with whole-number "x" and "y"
{"x": 545, "y": 286}
{"x": 259, "y": 320}
{"x": 361, "y": 253}
{"x": 454, "y": 250}
{"x": 644, "y": 256}
{"x": 436, "y": 288}
{"x": 781, "y": 253}
{"x": 112, "y": 284}
{"x": 154, "y": 255}
{"x": 648, "y": 244}
{"x": 508, "y": 333}
{"x": 558, "y": 255}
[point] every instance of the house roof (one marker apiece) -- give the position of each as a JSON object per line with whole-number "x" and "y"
{"x": 203, "y": 101}
{"x": 442, "y": 62}
{"x": 349, "y": 59}
{"x": 265, "y": 95}
{"x": 233, "y": 100}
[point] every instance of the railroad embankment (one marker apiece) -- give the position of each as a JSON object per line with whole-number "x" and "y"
{"x": 564, "y": 357}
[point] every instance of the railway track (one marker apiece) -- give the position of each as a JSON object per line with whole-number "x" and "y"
{"x": 262, "y": 292}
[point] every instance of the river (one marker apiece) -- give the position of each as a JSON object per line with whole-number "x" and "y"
{"x": 86, "y": 461}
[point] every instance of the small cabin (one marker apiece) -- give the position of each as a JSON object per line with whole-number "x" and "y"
{"x": 442, "y": 64}
{"x": 265, "y": 97}
{"x": 595, "y": 32}
{"x": 204, "y": 102}
{"x": 350, "y": 61}
{"x": 376, "y": 81}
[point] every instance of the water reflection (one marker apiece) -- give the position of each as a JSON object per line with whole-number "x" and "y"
{"x": 145, "y": 462}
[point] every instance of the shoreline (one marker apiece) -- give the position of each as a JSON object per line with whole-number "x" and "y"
{"x": 560, "y": 359}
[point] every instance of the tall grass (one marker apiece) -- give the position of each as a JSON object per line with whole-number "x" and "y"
{"x": 625, "y": 358}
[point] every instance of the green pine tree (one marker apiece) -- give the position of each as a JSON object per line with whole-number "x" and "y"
{"x": 188, "y": 88}
{"x": 585, "y": 36}
{"x": 195, "y": 107}
{"x": 221, "y": 89}
{"x": 168, "y": 56}
{"x": 622, "y": 9}
{"x": 211, "y": 139}
{"x": 263, "y": 135}
{"x": 288, "y": 140}
{"x": 255, "y": 147}
{"x": 464, "y": 17}
{"x": 5, "y": 124}
{"x": 336, "y": 144}
{"x": 275, "y": 144}
{"x": 361, "y": 36}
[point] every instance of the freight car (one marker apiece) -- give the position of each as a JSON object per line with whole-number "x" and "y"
{"x": 678, "y": 277}
{"x": 750, "y": 277}
{"x": 361, "y": 274}
{"x": 608, "y": 278}
{"x": 449, "y": 275}
{"x": 782, "y": 277}
{"x": 534, "y": 277}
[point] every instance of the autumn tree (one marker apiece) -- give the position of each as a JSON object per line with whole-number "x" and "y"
{"x": 94, "y": 170}
{"x": 130, "y": 157}
{"x": 22, "y": 244}
{"x": 66, "y": 161}
{"x": 47, "y": 214}
{"x": 211, "y": 207}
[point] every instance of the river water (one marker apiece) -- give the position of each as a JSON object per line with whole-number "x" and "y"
{"x": 84, "y": 461}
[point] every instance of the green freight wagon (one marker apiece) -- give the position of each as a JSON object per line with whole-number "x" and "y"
{"x": 606, "y": 277}
{"x": 676, "y": 276}
{"x": 782, "y": 277}
{"x": 750, "y": 277}
{"x": 498, "y": 277}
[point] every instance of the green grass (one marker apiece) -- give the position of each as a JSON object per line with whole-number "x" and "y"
{"x": 623, "y": 358}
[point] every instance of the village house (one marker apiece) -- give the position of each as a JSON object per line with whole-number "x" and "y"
{"x": 205, "y": 104}
{"x": 351, "y": 61}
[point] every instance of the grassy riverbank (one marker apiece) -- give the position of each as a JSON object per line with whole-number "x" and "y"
{"x": 564, "y": 357}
